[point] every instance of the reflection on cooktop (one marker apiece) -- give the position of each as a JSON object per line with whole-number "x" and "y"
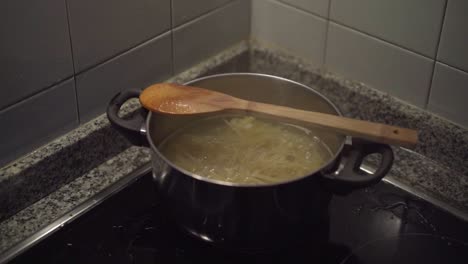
{"x": 382, "y": 224}
{"x": 411, "y": 248}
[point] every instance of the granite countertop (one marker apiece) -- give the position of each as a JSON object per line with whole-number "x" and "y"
{"x": 46, "y": 184}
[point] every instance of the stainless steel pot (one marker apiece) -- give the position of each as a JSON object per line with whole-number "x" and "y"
{"x": 259, "y": 216}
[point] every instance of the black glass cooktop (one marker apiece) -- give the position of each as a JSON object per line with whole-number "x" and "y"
{"x": 381, "y": 224}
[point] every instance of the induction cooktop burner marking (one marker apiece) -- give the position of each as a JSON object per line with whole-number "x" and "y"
{"x": 410, "y": 248}
{"x": 408, "y": 207}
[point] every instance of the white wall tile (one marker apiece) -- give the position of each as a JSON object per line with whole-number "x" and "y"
{"x": 185, "y": 10}
{"x": 318, "y": 7}
{"x": 297, "y": 31}
{"x": 34, "y": 48}
{"x": 102, "y": 29}
{"x": 36, "y": 120}
{"x": 383, "y": 66}
{"x": 449, "y": 94}
{"x": 453, "y": 48}
{"x": 412, "y": 24}
{"x": 135, "y": 69}
{"x": 205, "y": 36}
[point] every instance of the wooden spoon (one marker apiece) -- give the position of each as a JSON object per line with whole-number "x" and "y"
{"x": 179, "y": 99}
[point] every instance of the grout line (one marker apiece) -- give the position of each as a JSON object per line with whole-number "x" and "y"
{"x": 300, "y": 9}
{"x": 206, "y": 14}
{"x": 66, "y": 78}
{"x": 135, "y": 46}
{"x": 78, "y": 73}
{"x": 171, "y": 29}
{"x": 428, "y": 97}
{"x": 94, "y": 66}
{"x": 381, "y": 39}
{"x": 171, "y": 9}
{"x": 451, "y": 66}
{"x": 73, "y": 63}
{"x": 202, "y": 16}
{"x": 324, "y": 65}
{"x": 375, "y": 38}
{"x": 250, "y": 10}
{"x": 429, "y": 90}
{"x": 35, "y": 94}
{"x": 329, "y": 21}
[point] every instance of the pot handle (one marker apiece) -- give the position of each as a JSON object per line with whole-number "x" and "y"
{"x": 348, "y": 173}
{"x": 131, "y": 128}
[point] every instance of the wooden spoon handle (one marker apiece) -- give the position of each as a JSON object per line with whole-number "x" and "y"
{"x": 357, "y": 128}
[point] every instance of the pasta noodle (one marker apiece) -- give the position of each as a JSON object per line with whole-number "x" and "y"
{"x": 246, "y": 150}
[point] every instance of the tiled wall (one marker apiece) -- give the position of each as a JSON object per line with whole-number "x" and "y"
{"x": 61, "y": 61}
{"x": 416, "y": 50}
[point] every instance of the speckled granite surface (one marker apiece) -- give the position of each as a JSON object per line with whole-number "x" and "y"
{"x": 73, "y": 168}
{"x": 46, "y": 210}
{"x": 431, "y": 178}
{"x": 56, "y": 164}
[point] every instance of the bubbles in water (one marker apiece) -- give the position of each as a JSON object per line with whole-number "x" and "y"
{"x": 358, "y": 210}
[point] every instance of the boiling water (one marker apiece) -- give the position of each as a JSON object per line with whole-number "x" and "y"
{"x": 246, "y": 150}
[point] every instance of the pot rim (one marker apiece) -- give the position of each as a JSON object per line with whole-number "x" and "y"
{"x": 231, "y": 184}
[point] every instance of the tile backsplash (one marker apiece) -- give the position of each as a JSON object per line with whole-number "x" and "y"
{"x": 318, "y": 7}
{"x": 447, "y": 83}
{"x": 378, "y": 63}
{"x": 414, "y": 25}
{"x": 37, "y": 119}
{"x": 34, "y": 48}
{"x": 62, "y": 61}
{"x": 185, "y": 10}
{"x": 209, "y": 34}
{"x": 101, "y": 29}
{"x": 454, "y": 39}
{"x": 414, "y": 50}
{"x": 137, "y": 68}
{"x": 300, "y": 31}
